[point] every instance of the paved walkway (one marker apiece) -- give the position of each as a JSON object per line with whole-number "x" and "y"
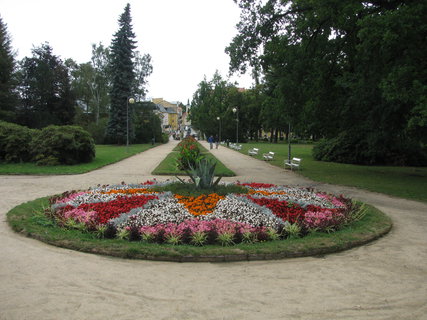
{"x": 383, "y": 280}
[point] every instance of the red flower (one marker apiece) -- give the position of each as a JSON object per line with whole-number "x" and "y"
{"x": 255, "y": 185}
{"x": 113, "y": 209}
{"x": 286, "y": 211}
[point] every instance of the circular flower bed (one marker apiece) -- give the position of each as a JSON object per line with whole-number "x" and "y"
{"x": 138, "y": 212}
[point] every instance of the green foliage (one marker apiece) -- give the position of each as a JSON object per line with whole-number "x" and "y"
{"x": 189, "y": 153}
{"x": 105, "y": 155}
{"x": 188, "y": 189}
{"x": 165, "y": 138}
{"x": 217, "y": 98}
{"x": 122, "y": 70}
{"x": 147, "y": 124}
{"x": 173, "y": 239}
{"x": 14, "y": 142}
{"x": 45, "y": 90}
{"x": 293, "y": 230}
{"x": 62, "y": 145}
{"x": 123, "y": 234}
{"x": 355, "y": 148}
{"x": 168, "y": 166}
{"x": 349, "y": 71}
{"x": 199, "y": 238}
{"x": 226, "y": 239}
{"x": 272, "y": 234}
{"x": 7, "y": 79}
{"x": 143, "y": 69}
{"x": 97, "y": 130}
{"x": 100, "y": 231}
{"x": 203, "y": 173}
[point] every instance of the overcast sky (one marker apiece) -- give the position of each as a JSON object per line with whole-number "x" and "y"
{"x": 185, "y": 38}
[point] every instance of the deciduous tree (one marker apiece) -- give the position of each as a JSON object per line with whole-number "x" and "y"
{"x": 45, "y": 90}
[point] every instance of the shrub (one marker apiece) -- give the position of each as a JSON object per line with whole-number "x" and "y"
{"x": 165, "y": 138}
{"x": 97, "y": 130}
{"x": 62, "y": 145}
{"x": 369, "y": 149}
{"x": 189, "y": 154}
{"x": 14, "y": 142}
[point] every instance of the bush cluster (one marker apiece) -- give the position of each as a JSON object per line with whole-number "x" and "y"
{"x": 359, "y": 148}
{"x": 14, "y": 142}
{"x": 52, "y": 145}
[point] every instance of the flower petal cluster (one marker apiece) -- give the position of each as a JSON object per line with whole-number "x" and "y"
{"x": 143, "y": 213}
{"x": 160, "y": 211}
{"x": 239, "y": 209}
{"x": 323, "y": 219}
{"x": 201, "y": 205}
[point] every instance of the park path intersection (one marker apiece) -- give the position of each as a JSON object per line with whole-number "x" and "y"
{"x": 383, "y": 280}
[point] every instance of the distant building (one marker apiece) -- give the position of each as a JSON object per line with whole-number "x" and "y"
{"x": 171, "y": 113}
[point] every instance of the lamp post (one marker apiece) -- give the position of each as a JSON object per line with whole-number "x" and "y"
{"x": 236, "y": 111}
{"x": 289, "y": 143}
{"x": 219, "y": 134}
{"x": 131, "y": 101}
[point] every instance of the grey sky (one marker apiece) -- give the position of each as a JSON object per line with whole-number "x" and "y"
{"x": 186, "y": 38}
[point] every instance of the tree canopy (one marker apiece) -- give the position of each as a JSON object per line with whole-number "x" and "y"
{"x": 352, "y": 72}
{"x": 45, "y": 89}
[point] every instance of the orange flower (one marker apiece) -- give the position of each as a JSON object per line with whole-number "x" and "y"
{"x": 130, "y": 191}
{"x": 201, "y": 205}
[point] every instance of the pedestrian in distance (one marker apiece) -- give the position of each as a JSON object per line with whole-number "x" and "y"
{"x": 216, "y": 142}
{"x": 211, "y": 140}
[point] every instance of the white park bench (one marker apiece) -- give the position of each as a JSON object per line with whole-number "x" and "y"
{"x": 294, "y": 163}
{"x": 238, "y": 147}
{"x": 268, "y": 156}
{"x": 253, "y": 151}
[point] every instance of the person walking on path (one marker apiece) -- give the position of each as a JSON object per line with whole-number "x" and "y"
{"x": 216, "y": 142}
{"x": 211, "y": 140}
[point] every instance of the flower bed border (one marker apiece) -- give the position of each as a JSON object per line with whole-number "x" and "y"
{"x": 23, "y": 220}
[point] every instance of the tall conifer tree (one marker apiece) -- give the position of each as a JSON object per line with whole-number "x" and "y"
{"x": 7, "y": 66}
{"x": 122, "y": 69}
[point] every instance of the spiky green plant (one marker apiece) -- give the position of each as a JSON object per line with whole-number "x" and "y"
{"x": 272, "y": 234}
{"x": 293, "y": 230}
{"x": 173, "y": 239}
{"x": 123, "y": 234}
{"x": 100, "y": 231}
{"x": 248, "y": 237}
{"x": 72, "y": 224}
{"x": 199, "y": 238}
{"x": 226, "y": 239}
{"x": 203, "y": 174}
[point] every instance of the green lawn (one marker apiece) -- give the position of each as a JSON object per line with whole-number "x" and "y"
{"x": 404, "y": 182}
{"x": 105, "y": 154}
{"x": 168, "y": 166}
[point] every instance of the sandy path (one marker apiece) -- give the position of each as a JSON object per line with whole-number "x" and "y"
{"x": 384, "y": 280}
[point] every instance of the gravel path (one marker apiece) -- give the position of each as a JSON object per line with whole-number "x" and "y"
{"x": 384, "y": 280}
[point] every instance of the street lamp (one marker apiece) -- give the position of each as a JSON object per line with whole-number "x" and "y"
{"x": 131, "y": 101}
{"x": 236, "y": 111}
{"x": 219, "y": 135}
{"x": 289, "y": 142}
